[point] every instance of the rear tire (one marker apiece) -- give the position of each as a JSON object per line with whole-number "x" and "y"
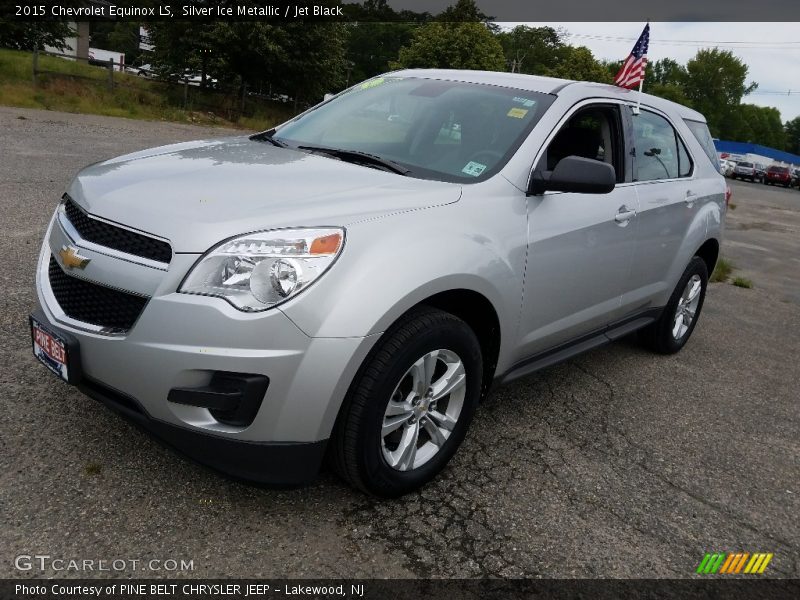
{"x": 397, "y": 428}
{"x": 677, "y": 322}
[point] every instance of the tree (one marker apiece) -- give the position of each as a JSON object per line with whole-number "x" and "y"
{"x": 313, "y": 61}
{"x": 463, "y": 11}
{"x": 379, "y": 11}
{"x": 20, "y": 35}
{"x": 453, "y": 46}
{"x": 245, "y": 52}
{"x": 666, "y": 72}
{"x": 531, "y": 50}
{"x": 579, "y": 63}
{"x": 372, "y": 46}
{"x": 120, "y": 36}
{"x": 715, "y": 85}
{"x": 180, "y": 46}
{"x": 792, "y": 129}
{"x": 668, "y": 91}
{"x": 757, "y": 124}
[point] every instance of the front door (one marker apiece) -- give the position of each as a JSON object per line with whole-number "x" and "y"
{"x": 580, "y": 246}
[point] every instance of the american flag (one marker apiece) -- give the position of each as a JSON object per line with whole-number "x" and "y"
{"x": 632, "y": 71}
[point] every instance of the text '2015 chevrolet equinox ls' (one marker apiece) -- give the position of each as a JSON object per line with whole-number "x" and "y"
{"x": 352, "y": 282}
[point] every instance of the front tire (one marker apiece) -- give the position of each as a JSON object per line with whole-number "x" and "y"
{"x": 410, "y": 405}
{"x": 677, "y": 322}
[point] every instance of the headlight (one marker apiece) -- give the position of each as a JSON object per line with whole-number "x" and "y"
{"x": 260, "y": 270}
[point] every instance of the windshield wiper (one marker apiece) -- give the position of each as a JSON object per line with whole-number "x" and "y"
{"x": 267, "y": 137}
{"x": 358, "y": 157}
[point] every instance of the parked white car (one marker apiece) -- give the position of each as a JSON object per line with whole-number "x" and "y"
{"x": 726, "y": 167}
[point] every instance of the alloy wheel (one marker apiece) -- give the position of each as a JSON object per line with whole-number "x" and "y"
{"x": 423, "y": 410}
{"x": 687, "y": 307}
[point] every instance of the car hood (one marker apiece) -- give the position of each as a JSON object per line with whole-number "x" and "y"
{"x": 198, "y": 193}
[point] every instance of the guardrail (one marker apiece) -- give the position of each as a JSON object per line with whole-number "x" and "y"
{"x": 37, "y": 71}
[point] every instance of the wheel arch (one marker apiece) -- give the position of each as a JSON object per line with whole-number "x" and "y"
{"x": 477, "y": 311}
{"x": 709, "y": 252}
{"x": 472, "y": 307}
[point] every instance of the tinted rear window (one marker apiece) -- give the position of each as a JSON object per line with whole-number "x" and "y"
{"x": 703, "y": 135}
{"x": 745, "y": 164}
{"x": 779, "y": 169}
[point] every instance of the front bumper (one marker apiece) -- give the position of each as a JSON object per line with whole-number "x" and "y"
{"x": 276, "y": 463}
{"x": 182, "y": 342}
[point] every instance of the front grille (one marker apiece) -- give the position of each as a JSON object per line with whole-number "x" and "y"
{"x": 93, "y": 303}
{"x": 115, "y": 237}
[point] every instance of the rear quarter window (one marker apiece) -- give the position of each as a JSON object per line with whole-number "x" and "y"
{"x": 703, "y": 135}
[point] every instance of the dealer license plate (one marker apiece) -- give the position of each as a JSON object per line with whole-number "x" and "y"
{"x": 51, "y": 349}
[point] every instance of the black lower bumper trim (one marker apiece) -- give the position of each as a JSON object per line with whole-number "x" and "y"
{"x": 284, "y": 464}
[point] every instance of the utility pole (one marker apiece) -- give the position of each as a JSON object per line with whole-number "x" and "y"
{"x": 204, "y": 54}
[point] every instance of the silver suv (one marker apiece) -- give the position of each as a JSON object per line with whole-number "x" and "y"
{"x": 745, "y": 170}
{"x": 351, "y": 283}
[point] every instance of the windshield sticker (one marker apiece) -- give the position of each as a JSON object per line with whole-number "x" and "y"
{"x": 473, "y": 168}
{"x": 372, "y": 83}
{"x": 525, "y": 101}
{"x": 518, "y": 113}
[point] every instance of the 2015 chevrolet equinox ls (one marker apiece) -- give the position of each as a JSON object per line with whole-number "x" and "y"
{"x": 353, "y": 281}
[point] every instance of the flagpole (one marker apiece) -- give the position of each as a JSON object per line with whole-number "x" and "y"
{"x": 644, "y": 71}
{"x": 639, "y": 99}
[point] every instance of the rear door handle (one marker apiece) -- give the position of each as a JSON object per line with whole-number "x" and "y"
{"x": 624, "y": 214}
{"x": 690, "y": 197}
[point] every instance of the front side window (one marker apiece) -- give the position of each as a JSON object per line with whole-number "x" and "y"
{"x": 445, "y": 130}
{"x": 593, "y": 132}
{"x": 660, "y": 153}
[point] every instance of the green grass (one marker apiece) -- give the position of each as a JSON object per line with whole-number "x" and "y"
{"x": 93, "y": 468}
{"x": 722, "y": 271}
{"x": 742, "y": 282}
{"x": 81, "y": 88}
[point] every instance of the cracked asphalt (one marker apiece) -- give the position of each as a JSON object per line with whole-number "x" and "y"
{"x": 619, "y": 463}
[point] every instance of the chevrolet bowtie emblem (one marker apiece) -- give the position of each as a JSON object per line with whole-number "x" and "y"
{"x": 71, "y": 259}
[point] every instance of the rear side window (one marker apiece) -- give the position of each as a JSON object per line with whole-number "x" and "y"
{"x": 703, "y": 135}
{"x": 660, "y": 152}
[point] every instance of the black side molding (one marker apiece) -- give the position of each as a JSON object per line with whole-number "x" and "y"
{"x": 564, "y": 352}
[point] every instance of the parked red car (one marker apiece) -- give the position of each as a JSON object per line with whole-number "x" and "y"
{"x": 778, "y": 175}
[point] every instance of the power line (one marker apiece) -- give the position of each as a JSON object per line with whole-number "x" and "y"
{"x": 729, "y": 43}
{"x": 774, "y": 93}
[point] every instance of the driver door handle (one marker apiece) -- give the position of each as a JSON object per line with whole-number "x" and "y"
{"x": 624, "y": 214}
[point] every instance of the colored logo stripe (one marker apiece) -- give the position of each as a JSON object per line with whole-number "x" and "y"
{"x": 732, "y": 563}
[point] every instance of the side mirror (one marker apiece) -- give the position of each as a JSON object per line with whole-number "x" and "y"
{"x": 575, "y": 174}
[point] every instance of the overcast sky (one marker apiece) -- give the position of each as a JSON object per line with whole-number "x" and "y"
{"x": 770, "y": 50}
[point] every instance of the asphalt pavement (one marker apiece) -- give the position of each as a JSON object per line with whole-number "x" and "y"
{"x": 619, "y": 463}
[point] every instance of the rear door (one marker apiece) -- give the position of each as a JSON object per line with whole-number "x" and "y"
{"x": 669, "y": 198}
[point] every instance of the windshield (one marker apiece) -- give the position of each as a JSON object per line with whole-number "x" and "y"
{"x": 445, "y": 130}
